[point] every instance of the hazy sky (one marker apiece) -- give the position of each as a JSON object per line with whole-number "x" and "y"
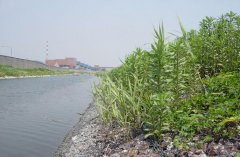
{"x": 95, "y": 31}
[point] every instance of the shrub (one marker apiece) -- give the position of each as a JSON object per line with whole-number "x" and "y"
{"x": 214, "y": 111}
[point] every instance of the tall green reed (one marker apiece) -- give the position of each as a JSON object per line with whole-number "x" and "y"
{"x": 156, "y": 89}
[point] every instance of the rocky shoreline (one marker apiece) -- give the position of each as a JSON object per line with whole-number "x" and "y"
{"x": 82, "y": 138}
{"x": 90, "y": 138}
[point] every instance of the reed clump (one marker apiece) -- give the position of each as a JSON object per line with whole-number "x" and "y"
{"x": 188, "y": 87}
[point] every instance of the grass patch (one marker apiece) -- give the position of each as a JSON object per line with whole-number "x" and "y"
{"x": 10, "y": 71}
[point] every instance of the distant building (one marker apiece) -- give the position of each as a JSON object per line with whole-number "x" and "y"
{"x": 64, "y": 63}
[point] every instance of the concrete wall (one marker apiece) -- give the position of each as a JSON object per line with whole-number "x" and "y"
{"x": 24, "y": 63}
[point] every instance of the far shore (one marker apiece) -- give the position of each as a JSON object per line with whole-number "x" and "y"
{"x": 35, "y": 76}
{"x": 20, "y": 77}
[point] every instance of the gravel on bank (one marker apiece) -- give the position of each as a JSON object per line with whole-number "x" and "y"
{"x": 82, "y": 139}
{"x": 90, "y": 138}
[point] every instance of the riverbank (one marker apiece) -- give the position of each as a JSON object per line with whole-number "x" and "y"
{"x": 83, "y": 139}
{"x": 22, "y": 77}
{"x": 11, "y": 72}
{"x": 90, "y": 137}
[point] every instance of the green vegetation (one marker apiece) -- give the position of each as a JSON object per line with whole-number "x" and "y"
{"x": 10, "y": 71}
{"x": 188, "y": 87}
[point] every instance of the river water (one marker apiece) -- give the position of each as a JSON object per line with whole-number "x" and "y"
{"x": 36, "y": 113}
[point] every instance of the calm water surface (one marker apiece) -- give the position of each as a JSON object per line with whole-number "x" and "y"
{"x": 36, "y": 113}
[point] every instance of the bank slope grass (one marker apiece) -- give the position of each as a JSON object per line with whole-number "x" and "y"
{"x": 186, "y": 88}
{"x": 16, "y": 72}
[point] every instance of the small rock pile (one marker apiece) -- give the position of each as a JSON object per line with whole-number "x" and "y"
{"x": 135, "y": 147}
{"x": 116, "y": 145}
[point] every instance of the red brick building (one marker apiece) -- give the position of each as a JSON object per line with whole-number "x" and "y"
{"x": 65, "y": 63}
